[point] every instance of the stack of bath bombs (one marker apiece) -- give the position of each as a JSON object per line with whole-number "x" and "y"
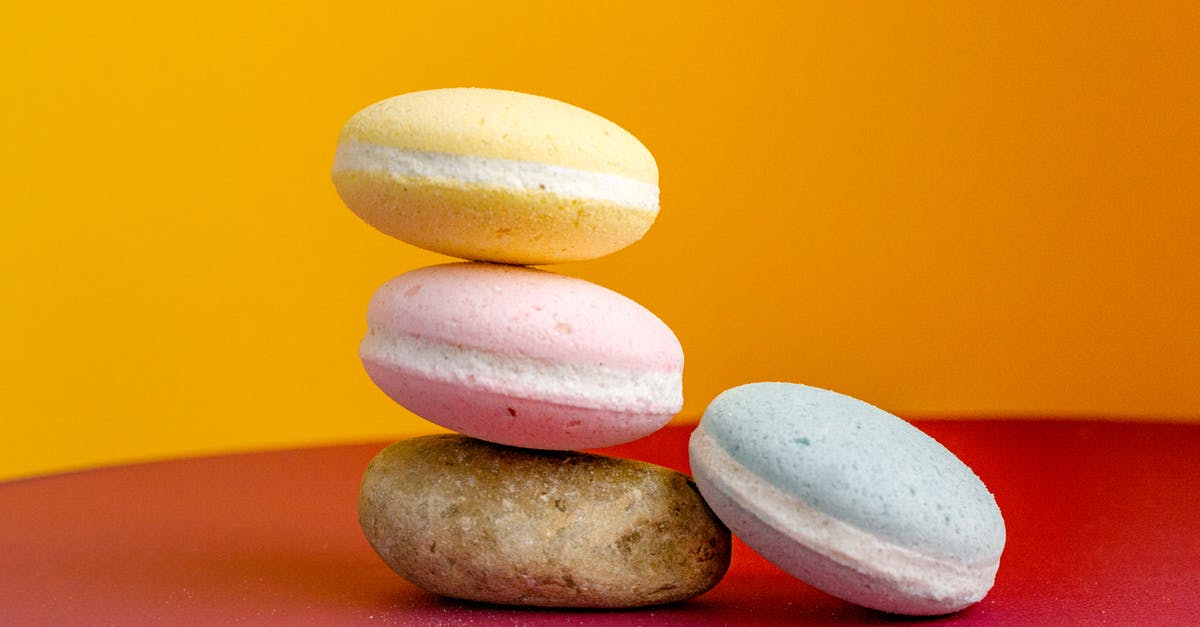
{"x": 527, "y": 366}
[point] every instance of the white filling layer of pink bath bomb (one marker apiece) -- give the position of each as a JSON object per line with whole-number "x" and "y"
{"x": 521, "y": 176}
{"x": 564, "y": 383}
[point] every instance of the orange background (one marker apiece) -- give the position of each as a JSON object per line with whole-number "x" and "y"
{"x": 946, "y": 209}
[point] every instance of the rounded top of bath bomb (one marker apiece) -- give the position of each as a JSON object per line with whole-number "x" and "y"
{"x": 501, "y": 124}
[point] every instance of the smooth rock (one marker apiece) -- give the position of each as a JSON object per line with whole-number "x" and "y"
{"x": 474, "y": 520}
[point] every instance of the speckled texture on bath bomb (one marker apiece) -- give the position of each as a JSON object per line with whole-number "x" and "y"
{"x": 894, "y": 492}
{"x": 473, "y": 520}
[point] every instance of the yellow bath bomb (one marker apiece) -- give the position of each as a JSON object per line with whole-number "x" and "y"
{"x": 495, "y": 175}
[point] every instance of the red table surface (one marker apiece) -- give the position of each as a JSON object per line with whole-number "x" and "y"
{"x": 1101, "y": 516}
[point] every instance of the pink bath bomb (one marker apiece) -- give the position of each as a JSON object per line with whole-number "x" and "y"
{"x": 523, "y": 357}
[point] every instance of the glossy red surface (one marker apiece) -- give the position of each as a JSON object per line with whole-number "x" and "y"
{"x": 1101, "y": 523}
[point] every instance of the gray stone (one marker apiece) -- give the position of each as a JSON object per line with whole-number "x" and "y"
{"x": 473, "y": 520}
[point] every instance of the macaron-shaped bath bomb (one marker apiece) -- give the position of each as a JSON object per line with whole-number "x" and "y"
{"x": 522, "y": 356}
{"x": 848, "y": 498}
{"x": 495, "y": 175}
